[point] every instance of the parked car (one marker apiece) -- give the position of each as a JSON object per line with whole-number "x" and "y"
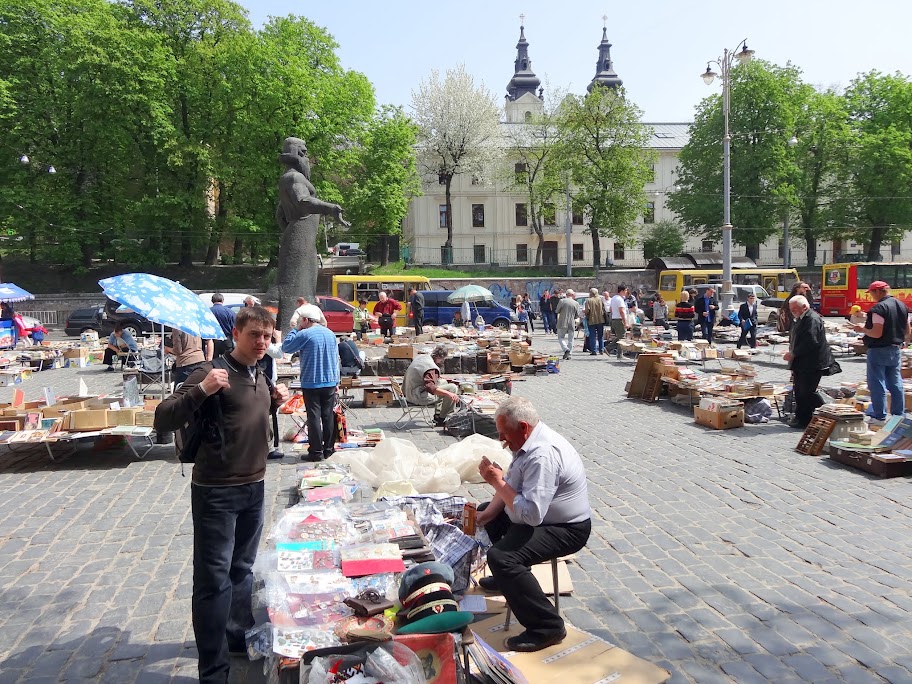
{"x": 765, "y": 313}
{"x": 438, "y": 311}
{"x": 340, "y": 315}
{"x": 352, "y": 252}
{"x": 83, "y": 320}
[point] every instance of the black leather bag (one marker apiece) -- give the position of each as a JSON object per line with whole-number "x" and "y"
{"x": 833, "y": 369}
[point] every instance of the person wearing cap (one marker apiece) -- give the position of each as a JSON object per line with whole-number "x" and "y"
{"x": 422, "y": 385}
{"x": 885, "y": 330}
{"x": 540, "y": 511}
{"x": 857, "y": 316}
{"x": 567, "y": 311}
{"x": 319, "y": 357}
{"x": 302, "y": 302}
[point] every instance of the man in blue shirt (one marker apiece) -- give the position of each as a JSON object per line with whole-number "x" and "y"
{"x": 540, "y": 511}
{"x": 119, "y": 342}
{"x": 319, "y": 357}
{"x": 225, "y": 317}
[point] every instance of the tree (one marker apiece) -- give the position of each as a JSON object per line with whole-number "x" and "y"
{"x": 822, "y": 135}
{"x": 765, "y": 102}
{"x": 382, "y": 177}
{"x": 535, "y": 147}
{"x": 877, "y": 168}
{"x": 605, "y": 147}
{"x": 458, "y": 130}
{"x": 663, "y": 239}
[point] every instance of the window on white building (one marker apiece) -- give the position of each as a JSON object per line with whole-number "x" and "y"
{"x": 477, "y": 216}
{"x": 576, "y": 216}
{"x": 527, "y": 116}
{"x": 522, "y": 252}
{"x": 707, "y": 246}
{"x": 619, "y": 251}
{"x": 649, "y": 216}
{"x": 896, "y": 248}
{"x": 519, "y": 171}
{"x": 479, "y": 254}
{"x": 522, "y": 214}
{"x": 577, "y": 251}
{"x": 443, "y": 216}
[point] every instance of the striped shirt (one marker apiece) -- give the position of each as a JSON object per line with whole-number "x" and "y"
{"x": 319, "y": 355}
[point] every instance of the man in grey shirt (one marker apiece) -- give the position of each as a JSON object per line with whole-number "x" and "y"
{"x": 540, "y": 511}
{"x": 568, "y": 310}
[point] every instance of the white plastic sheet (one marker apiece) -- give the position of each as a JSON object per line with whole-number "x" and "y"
{"x": 399, "y": 460}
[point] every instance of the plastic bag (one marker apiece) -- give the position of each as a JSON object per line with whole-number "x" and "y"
{"x": 757, "y": 411}
{"x": 390, "y": 663}
{"x": 464, "y": 456}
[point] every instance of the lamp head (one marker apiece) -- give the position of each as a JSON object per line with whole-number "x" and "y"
{"x": 792, "y": 141}
{"x": 24, "y": 159}
{"x": 51, "y": 169}
{"x": 745, "y": 55}
{"x": 709, "y": 75}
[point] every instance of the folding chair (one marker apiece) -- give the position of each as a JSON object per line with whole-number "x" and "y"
{"x": 149, "y": 372}
{"x": 410, "y": 412}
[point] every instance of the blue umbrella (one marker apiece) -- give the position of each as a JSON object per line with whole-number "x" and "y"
{"x": 164, "y": 301}
{"x": 13, "y": 293}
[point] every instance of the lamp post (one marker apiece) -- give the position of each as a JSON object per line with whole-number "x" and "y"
{"x": 725, "y": 64}
{"x": 569, "y": 228}
{"x": 786, "y": 246}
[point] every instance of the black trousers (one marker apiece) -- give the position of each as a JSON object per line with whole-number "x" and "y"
{"x": 804, "y": 385}
{"x": 419, "y": 324}
{"x": 386, "y": 325}
{"x": 320, "y": 403}
{"x": 745, "y": 332}
{"x": 516, "y": 549}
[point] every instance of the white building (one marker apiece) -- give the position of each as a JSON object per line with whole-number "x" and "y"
{"x": 490, "y": 222}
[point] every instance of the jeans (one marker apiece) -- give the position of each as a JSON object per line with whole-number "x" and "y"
{"x": 516, "y": 549}
{"x": 706, "y": 329}
{"x": 597, "y": 334}
{"x": 418, "y": 320}
{"x": 550, "y": 322}
{"x": 884, "y": 376}
{"x": 227, "y": 523}
{"x": 320, "y": 403}
{"x": 685, "y": 331}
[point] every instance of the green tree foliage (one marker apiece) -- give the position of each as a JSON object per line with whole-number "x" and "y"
{"x": 384, "y": 177}
{"x": 605, "y": 147}
{"x": 877, "y": 167}
{"x": 663, "y": 239}
{"x": 163, "y": 120}
{"x": 765, "y": 104}
{"x": 536, "y": 169}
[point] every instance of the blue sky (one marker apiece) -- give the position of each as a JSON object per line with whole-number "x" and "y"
{"x": 660, "y": 48}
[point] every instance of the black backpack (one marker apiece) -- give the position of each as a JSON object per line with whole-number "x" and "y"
{"x": 207, "y": 423}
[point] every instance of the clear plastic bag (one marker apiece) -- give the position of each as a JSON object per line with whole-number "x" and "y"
{"x": 390, "y": 663}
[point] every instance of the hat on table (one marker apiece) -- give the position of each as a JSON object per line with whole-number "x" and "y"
{"x": 416, "y": 572}
{"x": 429, "y": 606}
{"x": 878, "y": 285}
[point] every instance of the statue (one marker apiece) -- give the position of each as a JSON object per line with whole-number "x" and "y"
{"x": 298, "y": 216}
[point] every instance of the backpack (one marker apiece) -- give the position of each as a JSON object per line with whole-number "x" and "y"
{"x": 208, "y": 422}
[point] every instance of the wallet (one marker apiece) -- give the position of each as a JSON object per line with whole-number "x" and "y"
{"x": 368, "y": 603}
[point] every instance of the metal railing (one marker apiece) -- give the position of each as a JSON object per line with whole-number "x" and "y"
{"x": 46, "y": 317}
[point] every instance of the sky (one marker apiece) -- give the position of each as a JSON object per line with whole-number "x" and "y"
{"x": 660, "y": 48}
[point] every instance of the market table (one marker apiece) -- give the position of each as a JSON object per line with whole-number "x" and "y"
{"x": 71, "y": 439}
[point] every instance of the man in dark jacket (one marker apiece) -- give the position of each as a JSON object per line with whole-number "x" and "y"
{"x": 747, "y": 315}
{"x": 705, "y": 307}
{"x": 225, "y": 317}
{"x": 416, "y": 306}
{"x": 809, "y": 358}
{"x": 227, "y": 487}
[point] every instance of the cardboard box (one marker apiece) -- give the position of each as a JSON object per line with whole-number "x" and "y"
{"x": 520, "y": 358}
{"x": 710, "y": 353}
{"x": 58, "y": 409}
{"x": 380, "y": 398}
{"x": 76, "y": 352}
{"x": 581, "y": 658}
{"x": 77, "y": 361}
{"x": 144, "y": 418}
{"x": 905, "y": 372}
{"x": 88, "y": 419}
{"x": 719, "y": 420}
{"x": 10, "y": 377}
{"x": 401, "y": 351}
{"x": 126, "y": 416}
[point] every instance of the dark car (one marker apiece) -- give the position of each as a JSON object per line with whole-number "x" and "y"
{"x": 83, "y": 320}
{"x": 438, "y": 311}
{"x": 114, "y": 313}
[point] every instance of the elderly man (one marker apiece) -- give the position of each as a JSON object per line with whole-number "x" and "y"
{"x": 596, "y": 314}
{"x": 422, "y": 385}
{"x": 319, "y": 378}
{"x": 885, "y": 330}
{"x": 540, "y": 511}
{"x": 295, "y": 317}
{"x": 119, "y": 342}
{"x": 385, "y": 310}
{"x": 809, "y": 358}
{"x": 567, "y": 311}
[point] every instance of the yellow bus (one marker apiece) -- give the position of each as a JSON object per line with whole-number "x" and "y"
{"x": 352, "y": 288}
{"x": 777, "y": 281}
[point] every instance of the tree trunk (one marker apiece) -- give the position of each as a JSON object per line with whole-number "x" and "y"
{"x": 810, "y": 243}
{"x": 384, "y": 247}
{"x": 596, "y": 249}
{"x": 449, "y": 213}
{"x": 877, "y": 236}
{"x": 186, "y": 254}
{"x": 752, "y": 251}
{"x": 238, "y": 256}
{"x": 540, "y": 234}
{"x": 87, "y": 250}
{"x": 218, "y": 227}
{"x": 254, "y": 252}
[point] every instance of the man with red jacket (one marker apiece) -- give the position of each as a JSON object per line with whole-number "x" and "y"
{"x": 385, "y": 310}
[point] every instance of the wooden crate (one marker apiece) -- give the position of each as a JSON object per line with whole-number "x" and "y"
{"x": 719, "y": 420}
{"x": 815, "y": 436}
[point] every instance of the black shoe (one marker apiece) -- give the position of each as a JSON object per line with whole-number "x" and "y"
{"x": 275, "y": 454}
{"x": 593, "y": 353}
{"x": 489, "y": 584}
{"x": 110, "y": 369}
{"x": 439, "y": 422}
{"x": 523, "y": 643}
{"x": 313, "y": 458}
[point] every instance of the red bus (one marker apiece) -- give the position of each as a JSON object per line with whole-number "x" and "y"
{"x": 844, "y": 285}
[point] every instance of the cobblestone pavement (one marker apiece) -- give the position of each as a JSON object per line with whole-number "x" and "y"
{"x": 722, "y": 556}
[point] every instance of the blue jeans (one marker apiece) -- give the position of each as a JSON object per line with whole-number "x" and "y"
{"x": 597, "y": 333}
{"x": 884, "y": 376}
{"x": 551, "y": 320}
{"x": 685, "y": 330}
{"x": 227, "y": 523}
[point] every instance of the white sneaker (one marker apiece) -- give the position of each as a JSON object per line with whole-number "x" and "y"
{"x": 874, "y": 421}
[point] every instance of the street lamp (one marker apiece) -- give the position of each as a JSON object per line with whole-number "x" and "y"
{"x": 786, "y": 247}
{"x": 725, "y": 64}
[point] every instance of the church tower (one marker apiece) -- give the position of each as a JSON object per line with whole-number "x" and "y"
{"x": 604, "y": 69}
{"x": 522, "y": 101}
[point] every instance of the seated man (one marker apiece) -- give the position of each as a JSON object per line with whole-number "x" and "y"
{"x": 350, "y": 358}
{"x": 540, "y": 511}
{"x": 119, "y": 342}
{"x": 422, "y": 385}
